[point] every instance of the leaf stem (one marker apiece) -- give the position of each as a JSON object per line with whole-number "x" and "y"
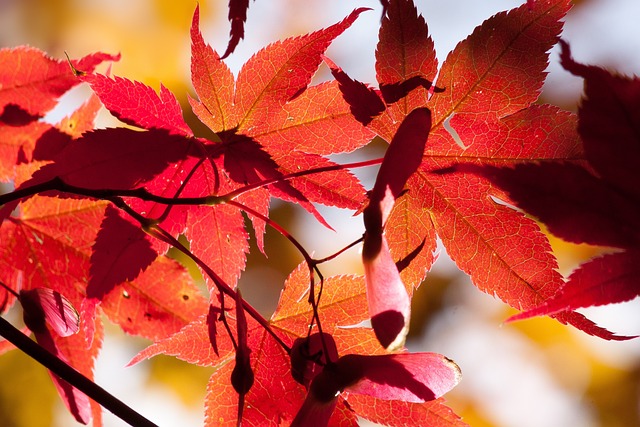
{"x": 153, "y": 229}
{"x": 346, "y": 248}
{"x": 311, "y": 263}
{"x": 151, "y": 226}
{"x": 223, "y": 287}
{"x": 167, "y": 210}
{"x": 58, "y": 184}
{"x": 73, "y": 377}
{"x": 8, "y": 289}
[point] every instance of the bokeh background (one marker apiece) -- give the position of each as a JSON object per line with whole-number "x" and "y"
{"x": 535, "y": 373}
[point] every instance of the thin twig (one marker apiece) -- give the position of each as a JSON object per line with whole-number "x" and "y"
{"x": 332, "y": 256}
{"x": 57, "y": 184}
{"x": 153, "y": 229}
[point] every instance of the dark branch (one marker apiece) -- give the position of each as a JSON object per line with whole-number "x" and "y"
{"x": 73, "y": 377}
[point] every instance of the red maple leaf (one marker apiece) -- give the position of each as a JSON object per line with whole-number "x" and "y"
{"x": 44, "y": 250}
{"x": 89, "y": 162}
{"x": 483, "y": 112}
{"x": 597, "y": 202}
{"x": 268, "y": 120}
{"x": 271, "y": 133}
{"x": 46, "y": 311}
{"x": 32, "y": 81}
{"x": 174, "y": 157}
{"x": 276, "y": 397}
{"x": 30, "y": 84}
{"x": 266, "y": 128}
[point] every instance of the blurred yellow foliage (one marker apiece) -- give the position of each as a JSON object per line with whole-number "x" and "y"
{"x": 152, "y": 35}
{"x": 27, "y": 394}
{"x": 188, "y": 382}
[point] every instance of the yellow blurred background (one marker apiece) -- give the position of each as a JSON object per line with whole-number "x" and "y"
{"x": 536, "y": 373}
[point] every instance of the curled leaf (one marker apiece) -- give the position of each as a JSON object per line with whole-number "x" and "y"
{"x": 409, "y": 377}
{"x": 389, "y": 302}
{"x": 44, "y": 305}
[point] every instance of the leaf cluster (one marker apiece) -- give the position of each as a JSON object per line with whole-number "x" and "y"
{"x": 94, "y": 211}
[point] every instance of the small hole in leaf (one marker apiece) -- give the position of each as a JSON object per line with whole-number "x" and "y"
{"x": 147, "y": 315}
{"x": 447, "y": 126}
{"x": 128, "y": 319}
{"x": 126, "y": 295}
{"x": 185, "y": 297}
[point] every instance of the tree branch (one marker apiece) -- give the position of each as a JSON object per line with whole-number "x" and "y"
{"x": 73, "y": 377}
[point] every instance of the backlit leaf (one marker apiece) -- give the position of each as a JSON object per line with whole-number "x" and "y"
{"x": 596, "y": 202}
{"x": 340, "y": 305}
{"x": 158, "y": 303}
{"x": 479, "y": 102}
{"x": 43, "y": 304}
{"x": 609, "y": 279}
{"x": 33, "y": 81}
{"x": 89, "y": 162}
{"x": 139, "y": 105}
{"x": 121, "y": 251}
{"x": 280, "y": 116}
